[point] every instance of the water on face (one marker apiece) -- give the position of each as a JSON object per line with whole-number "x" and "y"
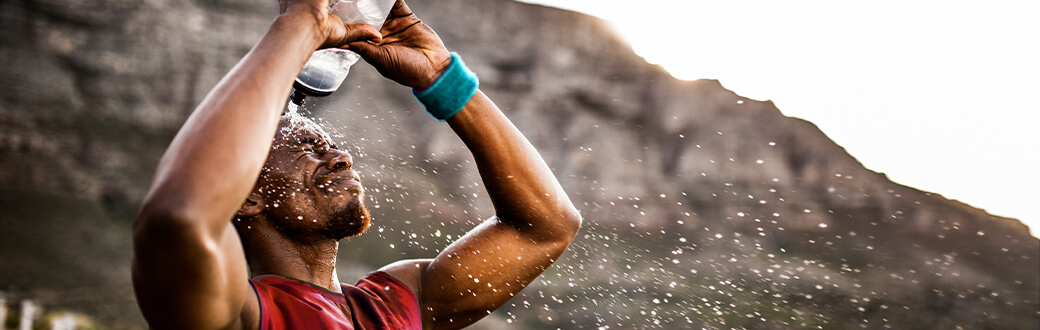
{"x": 298, "y": 123}
{"x": 292, "y": 109}
{"x": 296, "y": 120}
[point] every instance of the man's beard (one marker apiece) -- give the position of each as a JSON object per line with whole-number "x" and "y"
{"x": 350, "y": 221}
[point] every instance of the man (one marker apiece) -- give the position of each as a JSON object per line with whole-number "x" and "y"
{"x": 241, "y": 184}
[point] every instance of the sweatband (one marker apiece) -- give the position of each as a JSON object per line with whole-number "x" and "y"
{"x": 450, "y": 92}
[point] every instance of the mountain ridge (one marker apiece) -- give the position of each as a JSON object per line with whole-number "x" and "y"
{"x": 701, "y": 206}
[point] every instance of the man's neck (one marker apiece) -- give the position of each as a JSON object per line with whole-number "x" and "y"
{"x": 269, "y": 252}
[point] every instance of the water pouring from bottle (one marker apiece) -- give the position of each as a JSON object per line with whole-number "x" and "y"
{"x": 327, "y": 68}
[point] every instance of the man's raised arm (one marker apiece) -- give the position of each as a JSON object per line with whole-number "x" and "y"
{"x": 534, "y": 222}
{"x": 189, "y": 269}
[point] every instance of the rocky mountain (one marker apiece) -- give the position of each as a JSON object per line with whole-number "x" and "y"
{"x": 703, "y": 209}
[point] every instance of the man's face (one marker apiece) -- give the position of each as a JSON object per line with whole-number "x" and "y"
{"x": 307, "y": 185}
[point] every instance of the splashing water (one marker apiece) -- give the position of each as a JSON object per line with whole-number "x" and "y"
{"x": 292, "y": 112}
{"x": 292, "y": 109}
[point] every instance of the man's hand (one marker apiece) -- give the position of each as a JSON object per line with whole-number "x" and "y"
{"x": 410, "y": 53}
{"x": 329, "y": 30}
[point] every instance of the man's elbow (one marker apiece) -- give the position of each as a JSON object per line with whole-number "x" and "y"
{"x": 165, "y": 220}
{"x": 566, "y": 219}
{"x": 563, "y": 227}
{"x": 571, "y": 220}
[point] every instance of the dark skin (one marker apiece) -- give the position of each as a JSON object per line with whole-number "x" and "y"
{"x": 302, "y": 196}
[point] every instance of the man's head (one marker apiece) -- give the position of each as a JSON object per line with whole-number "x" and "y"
{"x": 306, "y": 189}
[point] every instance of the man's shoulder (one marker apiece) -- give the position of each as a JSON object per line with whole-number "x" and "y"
{"x": 410, "y": 272}
{"x": 386, "y": 298}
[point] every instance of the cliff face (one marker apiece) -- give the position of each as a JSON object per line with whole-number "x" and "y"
{"x": 702, "y": 208}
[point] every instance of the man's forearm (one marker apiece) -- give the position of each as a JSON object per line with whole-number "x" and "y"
{"x": 535, "y": 223}
{"x": 523, "y": 189}
{"x": 217, "y": 154}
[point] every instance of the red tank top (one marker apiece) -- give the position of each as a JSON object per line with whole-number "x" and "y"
{"x": 378, "y": 301}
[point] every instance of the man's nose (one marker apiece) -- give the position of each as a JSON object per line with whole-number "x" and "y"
{"x": 340, "y": 159}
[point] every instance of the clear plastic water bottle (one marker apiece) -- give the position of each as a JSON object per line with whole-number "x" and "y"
{"x": 327, "y": 68}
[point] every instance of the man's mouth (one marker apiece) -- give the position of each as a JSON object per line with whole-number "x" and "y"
{"x": 341, "y": 180}
{"x": 349, "y": 178}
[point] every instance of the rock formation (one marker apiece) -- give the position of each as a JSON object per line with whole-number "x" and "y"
{"x": 702, "y": 208}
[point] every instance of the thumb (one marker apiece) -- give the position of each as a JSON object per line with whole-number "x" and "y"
{"x": 354, "y": 33}
{"x": 367, "y": 50}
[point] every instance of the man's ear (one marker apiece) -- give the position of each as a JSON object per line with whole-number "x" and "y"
{"x": 251, "y": 207}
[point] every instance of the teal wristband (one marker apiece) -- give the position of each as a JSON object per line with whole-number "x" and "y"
{"x": 450, "y": 92}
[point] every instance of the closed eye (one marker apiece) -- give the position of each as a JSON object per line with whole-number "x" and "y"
{"x": 307, "y": 144}
{"x": 308, "y": 140}
{"x": 311, "y": 144}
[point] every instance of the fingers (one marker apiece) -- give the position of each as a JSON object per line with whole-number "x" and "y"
{"x": 361, "y": 32}
{"x": 400, "y": 10}
{"x": 400, "y": 18}
{"x": 409, "y": 52}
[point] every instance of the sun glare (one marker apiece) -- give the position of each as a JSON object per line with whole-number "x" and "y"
{"x": 904, "y": 91}
{"x": 686, "y": 63}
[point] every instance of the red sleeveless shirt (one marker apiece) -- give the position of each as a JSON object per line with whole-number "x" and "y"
{"x": 378, "y": 301}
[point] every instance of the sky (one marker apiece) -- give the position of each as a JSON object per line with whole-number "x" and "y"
{"x": 941, "y": 96}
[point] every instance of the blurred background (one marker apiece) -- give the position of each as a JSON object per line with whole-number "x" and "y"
{"x": 703, "y": 208}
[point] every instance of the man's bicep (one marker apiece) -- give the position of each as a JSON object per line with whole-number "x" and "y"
{"x": 186, "y": 278}
{"x": 482, "y": 271}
